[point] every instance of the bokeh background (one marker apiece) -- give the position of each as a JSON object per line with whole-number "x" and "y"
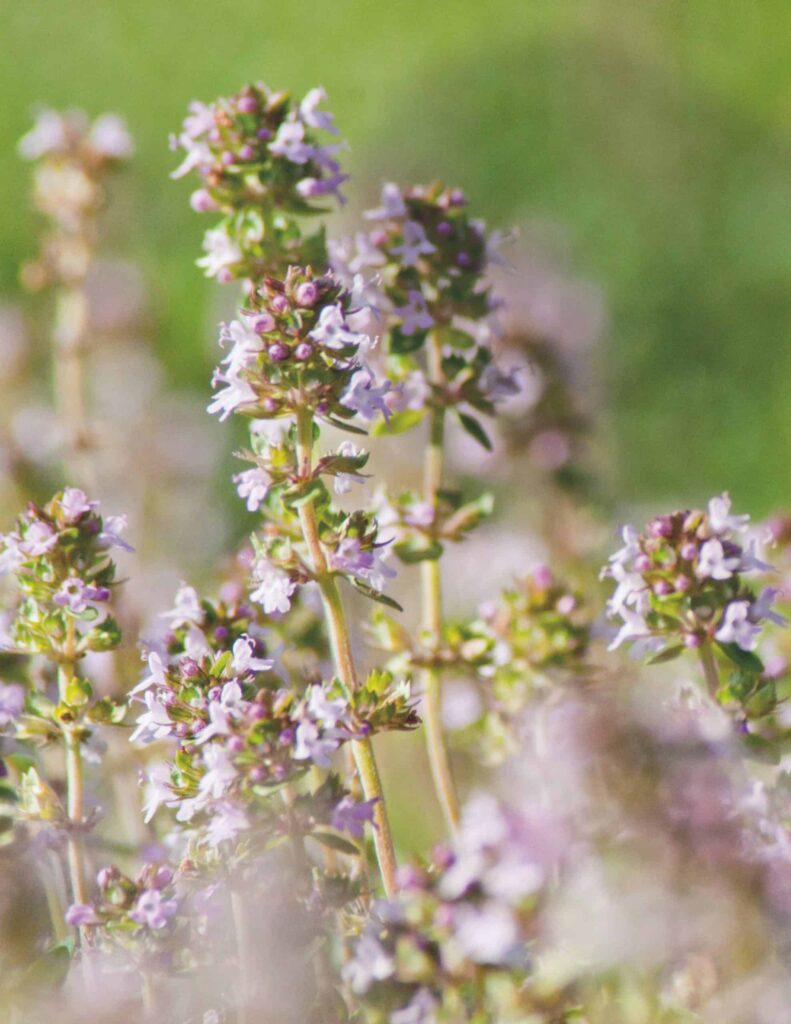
{"x": 647, "y": 147}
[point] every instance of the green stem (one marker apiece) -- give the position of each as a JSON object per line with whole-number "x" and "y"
{"x": 75, "y": 808}
{"x": 71, "y": 318}
{"x": 340, "y": 643}
{"x": 710, "y": 670}
{"x": 431, "y": 605}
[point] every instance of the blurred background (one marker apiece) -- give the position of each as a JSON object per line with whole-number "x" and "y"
{"x": 641, "y": 149}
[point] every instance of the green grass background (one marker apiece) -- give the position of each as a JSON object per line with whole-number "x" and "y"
{"x": 657, "y": 134}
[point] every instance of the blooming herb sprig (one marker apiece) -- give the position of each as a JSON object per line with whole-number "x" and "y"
{"x": 429, "y": 261}
{"x": 681, "y": 585}
{"x": 262, "y": 165}
{"x": 455, "y": 943}
{"x": 60, "y": 557}
{"x": 423, "y": 268}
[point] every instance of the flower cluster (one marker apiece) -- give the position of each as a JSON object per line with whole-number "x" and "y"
{"x": 681, "y": 583}
{"x": 292, "y": 349}
{"x": 240, "y": 733}
{"x": 428, "y": 260}
{"x": 73, "y": 158}
{"x": 59, "y": 554}
{"x": 454, "y": 944}
{"x": 261, "y": 165}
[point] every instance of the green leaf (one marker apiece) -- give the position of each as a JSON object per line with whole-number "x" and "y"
{"x": 401, "y": 343}
{"x": 760, "y": 749}
{"x": 374, "y": 595}
{"x": 667, "y": 655}
{"x": 746, "y": 660}
{"x": 474, "y": 429}
{"x": 398, "y": 422}
{"x": 335, "y": 842}
{"x": 418, "y": 550}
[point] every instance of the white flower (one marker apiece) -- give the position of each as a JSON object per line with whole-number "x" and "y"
{"x": 713, "y": 564}
{"x": 737, "y": 627}
{"x": 154, "y": 723}
{"x": 415, "y": 315}
{"x": 244, "y": 660}
{"x": 720, "y": 518}
{"x": 156, "y": 674}
{"x": 186, "y": 610}
{"x": 158, "y": 790}
{"x": 220, "y": 774}
{"x": 274, "y": 588}
{"x": 312, "y": 116}
{"x": 332, "y": 331}
{"x": 252, "y": 484}
{"x": 343, "y": 481}
{"x": 110, "y": 137}
{"x": 221, "y": 252}
{"x": 414, "y": 245}
{"x": 392, "y": 204}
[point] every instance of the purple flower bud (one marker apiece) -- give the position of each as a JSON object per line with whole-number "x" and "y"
{"x": 444, "y": 228}
{"x": 269, "y": 405}
{"x": 280, "y": 772}
{"x": 457, "y": 197}
{"x": 220, "y": 633}
{"x": 264, "y": 134}
{"x": 257, "y": 712}
{"x": 278, "y": 352}
{"x": 682, "y": 584}
{"x": 228, "y": 157}
{"x": 280, "y": 304}
{"x": 163, "y": 877}
{"x": 286, "y": 737}
{"x": 201, "y": 201}
{"x": 662, "y": 588}
{"x": 566, "y": 604}
{"x": 181, "y": 729}
{"x": 307, "y": 293}
{"x": 442, "y": 857}
{"x": 660, "y": 527}
{"x": 214, "y": 135}
{"x": 215, "y": 693}
{"x": 542, "y": 577}
{"x": 257, "y": 774}
{"x": 247, "y": 152}
{"x": 304, "y": 350}
{"x": 689, "y": 551}
{"x": 642, "y": 563}
{"x": 379, "y": 238}
{"x": 235, "y": 744}
{"x": 105, "y": 877}
{"x": 224, "y": 276}
{"x": 189, "y": 668}
{"x": 247, "y": 105}
{"x": 463, "y": 259}
{"x": 410, "y": 877}
{"x": 693, "y": 640}
{"x": 365, "y": 728}
{"x": 263, "y": 323}
{"x": 79, "y": 914}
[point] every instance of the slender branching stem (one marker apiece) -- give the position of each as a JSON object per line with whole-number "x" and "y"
{"x": 710, "y": 670}
{"x": 431, "y": 603}
{"x": 75, "y": 803}
{"x": 340, "y": 643}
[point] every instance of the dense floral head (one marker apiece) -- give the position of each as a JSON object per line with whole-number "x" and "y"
{"x": 293, "y": 348}
{"x": 59, "y": 554}
{"x": 682, "y": 581}
{"x": 261, "y": 163}
{"x": 426, "y": 261}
